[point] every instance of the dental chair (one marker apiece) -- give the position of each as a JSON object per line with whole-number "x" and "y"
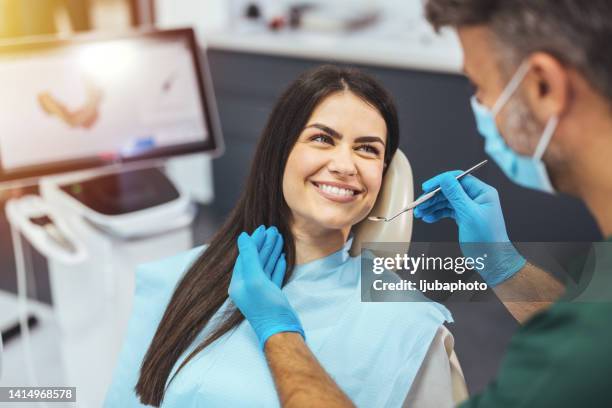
{"x": 440, "y": 381}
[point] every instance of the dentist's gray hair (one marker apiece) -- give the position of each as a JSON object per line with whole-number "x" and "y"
{"x": 576, "y": 32}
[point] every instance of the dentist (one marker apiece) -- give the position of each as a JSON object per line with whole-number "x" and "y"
{"x": 542, "y": 70}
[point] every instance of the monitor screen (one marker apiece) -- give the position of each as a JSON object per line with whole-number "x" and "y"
{"x": 91, "y": 101}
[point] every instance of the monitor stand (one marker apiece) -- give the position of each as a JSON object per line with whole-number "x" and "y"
{"x": 124, "y": 192}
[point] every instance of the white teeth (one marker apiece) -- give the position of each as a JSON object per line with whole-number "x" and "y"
{"x": 336, "y": 191}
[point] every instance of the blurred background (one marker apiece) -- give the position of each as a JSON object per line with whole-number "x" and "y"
{"x": 250, "y": 51}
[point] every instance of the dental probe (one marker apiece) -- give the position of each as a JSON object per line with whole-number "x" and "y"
{"x": 427, "y": 196}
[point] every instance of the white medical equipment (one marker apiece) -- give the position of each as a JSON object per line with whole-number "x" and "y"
{"x": 42, "y": 225}
{"x": 104, "y": 114}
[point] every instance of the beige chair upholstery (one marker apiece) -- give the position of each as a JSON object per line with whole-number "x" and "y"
{"x": 439, "y": 382}
{"x": 396, "y": 193}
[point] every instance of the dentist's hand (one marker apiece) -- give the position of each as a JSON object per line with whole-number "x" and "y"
{"x": 255, "y": 285}
{"x": 475, "y": 207}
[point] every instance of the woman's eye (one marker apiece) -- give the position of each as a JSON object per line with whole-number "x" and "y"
{"x": 369, "y": 149}
{"x": 322, "y": 138}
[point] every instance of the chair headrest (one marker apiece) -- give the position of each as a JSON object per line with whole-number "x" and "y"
{"x": 396, "y": 192}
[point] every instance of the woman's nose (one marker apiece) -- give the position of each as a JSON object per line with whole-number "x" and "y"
{"x": 342, "y": 163}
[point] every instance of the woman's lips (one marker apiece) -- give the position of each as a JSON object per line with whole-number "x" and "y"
{"x": 335, "y": 197}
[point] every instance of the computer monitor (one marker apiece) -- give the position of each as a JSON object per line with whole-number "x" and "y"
{"x": 89, "y": 101}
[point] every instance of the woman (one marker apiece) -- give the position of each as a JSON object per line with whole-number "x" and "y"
{"x": 317, "y": 172}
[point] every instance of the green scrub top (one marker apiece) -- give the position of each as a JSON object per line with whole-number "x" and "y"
{"x": 561, "y": 357}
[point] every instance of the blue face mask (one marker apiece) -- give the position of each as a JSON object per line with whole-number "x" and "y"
{"x": 525, "y": 171}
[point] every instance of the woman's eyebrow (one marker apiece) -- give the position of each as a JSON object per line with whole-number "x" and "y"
{"x": 335, "y": 134}
{"x": 326, "y": 129}
{"x": 366, "y": 139}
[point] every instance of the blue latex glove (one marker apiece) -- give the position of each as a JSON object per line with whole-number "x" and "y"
{"x": 475, "y": 207}
{"x": 269, "y": 243}
{"x": 255, "y": 285}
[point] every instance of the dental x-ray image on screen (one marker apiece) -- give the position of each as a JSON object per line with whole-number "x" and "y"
{"x": 91, "y": 101}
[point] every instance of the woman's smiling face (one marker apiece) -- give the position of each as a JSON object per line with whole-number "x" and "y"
{"x": 334, "y": 171}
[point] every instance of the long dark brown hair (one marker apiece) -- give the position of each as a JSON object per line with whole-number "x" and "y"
{"x": 203, "y": 288}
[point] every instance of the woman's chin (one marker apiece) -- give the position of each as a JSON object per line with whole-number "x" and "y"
{"x": 338, "y": 218}
{"x": 335, "y": 223}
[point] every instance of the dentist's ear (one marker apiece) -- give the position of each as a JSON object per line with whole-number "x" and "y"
{"x": 396, "y": 192}
{"x": 548, "y": 86}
